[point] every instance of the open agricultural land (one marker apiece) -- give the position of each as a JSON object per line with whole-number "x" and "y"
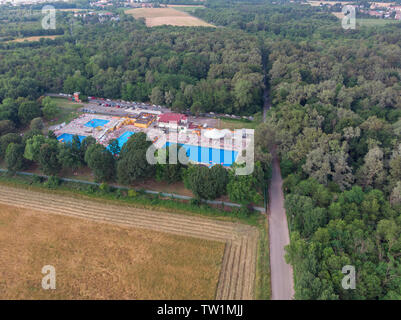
{"x": 375, "y": 22}
{"x": 167, "y": 16}
{"x": 102, "y": 261}
{"x": 34, "y": 38}
{"x": 165, "y": 256}
{"x": 185, "y": 8}
{"x": 366, "y": 22}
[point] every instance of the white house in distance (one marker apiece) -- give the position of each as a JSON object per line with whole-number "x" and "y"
{"x": 173, "y": 121}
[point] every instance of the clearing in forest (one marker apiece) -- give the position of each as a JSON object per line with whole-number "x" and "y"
{"x": 35, "y": 38}
{"x": 167, "y": 16}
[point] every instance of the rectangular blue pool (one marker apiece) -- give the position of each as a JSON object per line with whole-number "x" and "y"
{"x": 209, "y": 156}
{"x": 94, "y": 123}
{"x": 67, "y": 137}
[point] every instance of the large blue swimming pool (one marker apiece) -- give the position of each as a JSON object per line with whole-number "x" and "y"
{"x": 66, "y": 137}
{"x": 209, "y": 156}
{"x": 94, "y": 123}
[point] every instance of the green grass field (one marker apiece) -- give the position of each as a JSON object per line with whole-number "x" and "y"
{"x": 374, "y": 22}
{"x": 236, "y": 124}
{"x": 187, "y": 9}
{"x": 68, "y": 111}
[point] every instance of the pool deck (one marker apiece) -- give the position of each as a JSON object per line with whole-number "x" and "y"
{"x": 78, "y": 126}
{"x": 234, "y": 141}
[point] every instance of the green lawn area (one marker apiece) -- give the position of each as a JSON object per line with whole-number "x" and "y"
{"x": 188, "y": 9}
{"x": 375, "y": 22}
{"x": 237, "y": 124}
{"x": 68, "y": 111}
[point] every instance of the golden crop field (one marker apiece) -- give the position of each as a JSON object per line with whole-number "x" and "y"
{"x": 172, "y": 259}
{"x": 167, "y": 16}
{"x": 95, "y": 260}
{"x": 35, "y": 38}
{"x": 339, "y": 15}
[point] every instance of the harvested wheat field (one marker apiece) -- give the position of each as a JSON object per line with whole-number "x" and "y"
{"x": 167, "y": 16}
{"x": 164, "y": 255}
{"x": 95, "y": 260}
{"x": 35, "y": 38}
{"x": 339, "y": 15}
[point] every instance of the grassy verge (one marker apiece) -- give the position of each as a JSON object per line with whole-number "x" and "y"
{"x": 139, "y": 200}
{"x": 262, "y": 282}
{"x": 236, "y": 124}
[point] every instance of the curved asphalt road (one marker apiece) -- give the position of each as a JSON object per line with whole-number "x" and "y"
{"x": 281, "y": 273}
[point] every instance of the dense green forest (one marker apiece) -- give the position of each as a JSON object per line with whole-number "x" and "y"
{"x": 335, "y": 120}
{"x": 201, "y": 69}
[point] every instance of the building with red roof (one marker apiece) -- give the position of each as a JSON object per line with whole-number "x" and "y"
{"x": 173, "y": 120}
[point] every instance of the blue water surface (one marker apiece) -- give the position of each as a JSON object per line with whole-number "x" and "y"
{"x": 67, "y": 137}
{"x": 124, "y": 138}
{"x": 94, "y": 123}
{"x": 209, "y": 156}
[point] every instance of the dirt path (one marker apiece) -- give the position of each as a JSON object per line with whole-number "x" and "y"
{"x": 281, "y": 272}
{"x": 237, "y": 275}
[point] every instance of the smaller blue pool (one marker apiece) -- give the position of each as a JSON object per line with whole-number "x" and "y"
{"x": 209, "y": 156}
{"x": 124, "y": 138}
{"x": 94, "y": 123}
{"x": 67, "y": 137}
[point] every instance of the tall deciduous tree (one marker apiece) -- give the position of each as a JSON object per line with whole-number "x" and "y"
{"x": 101, "y": 161}
{"x": 132, "y": 164}
{"x": 14, "y": 157}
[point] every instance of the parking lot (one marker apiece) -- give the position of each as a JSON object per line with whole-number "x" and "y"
{"x": 121, "y": 108}
{"x": 124, "y": 105}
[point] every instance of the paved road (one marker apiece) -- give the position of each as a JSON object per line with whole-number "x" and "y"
{"x": 281, "y": 273}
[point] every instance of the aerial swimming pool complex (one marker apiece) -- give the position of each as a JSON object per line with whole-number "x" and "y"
{"x": 203, "y": 146}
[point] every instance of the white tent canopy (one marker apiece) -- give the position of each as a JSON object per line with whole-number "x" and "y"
{"x": 217, "y": 134}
